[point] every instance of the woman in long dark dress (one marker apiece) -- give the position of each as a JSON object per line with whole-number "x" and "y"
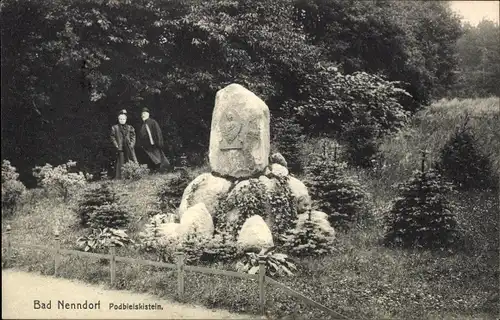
{"x": 123, "y": 138}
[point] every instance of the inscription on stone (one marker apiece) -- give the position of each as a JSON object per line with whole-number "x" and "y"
{"x": 231, "y": 130}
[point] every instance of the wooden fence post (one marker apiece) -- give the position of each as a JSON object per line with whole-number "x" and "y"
{"x": 57, "y": 257}
{"x": 112, "y": 263}
{"x": 180, "y": 275}
{"x": 262, "y": 284}
{"x": 8, "y": 250}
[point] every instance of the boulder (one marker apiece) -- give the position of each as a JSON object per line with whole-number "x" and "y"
{"x": 278, "y": 170}
{"x": 239, "y": 136}
{"x": 206, "y": 189}
{"x": 300, "y": 194}
{"x": 279, "y": 159}
{"x": 197, "y": 219}
{"x": 169, "y": 230}
{"x": 267, "y": 171}
{"x": 255, "y": 234}
{"x": 269, "y": 184}
{"x": 242, "y": 186}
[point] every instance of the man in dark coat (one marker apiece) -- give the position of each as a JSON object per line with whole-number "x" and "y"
{"x": 150, "y": 140}
{"x": 123, "y": 139}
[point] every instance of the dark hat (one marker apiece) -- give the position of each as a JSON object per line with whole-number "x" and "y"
{"x": 145, "y": 110}
{"x": 122, "y": 112}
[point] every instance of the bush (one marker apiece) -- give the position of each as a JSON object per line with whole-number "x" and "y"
{"x": 99, "y": 209}
{"x": 12, "y": 189}
{"x": 423, "y": 216}
{"x": 134, "y": 171}
{"x": 462, "y": 162}
{"x": 309, "y": 238}
{"x": 59, "y": 179}
{"x": 361, "y": 145}
{"x": 336, "y": 193}
{"x": 170, "y": 193}
{"x": 336, "y": 102}
{"x": 8, "y": 172}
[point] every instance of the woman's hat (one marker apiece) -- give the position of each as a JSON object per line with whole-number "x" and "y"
{"x": 145, "y": 110}
{"x": 122, "y": 112}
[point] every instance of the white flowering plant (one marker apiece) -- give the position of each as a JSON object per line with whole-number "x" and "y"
{"x": 12, "y": 188}
{"x": 134, "y": 171}
{"x": 60, "y": 180}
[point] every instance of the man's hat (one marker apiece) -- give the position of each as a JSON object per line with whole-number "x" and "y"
{"x": 145, "y": 110}
{"x": 122, "y": 112}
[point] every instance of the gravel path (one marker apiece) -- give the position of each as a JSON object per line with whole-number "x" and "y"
{"x": 20, "y": 290}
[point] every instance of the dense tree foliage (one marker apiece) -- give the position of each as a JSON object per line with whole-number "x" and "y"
{"x": 409, "y": 41}
{"x": 68, "y": 66}
{"x": 479, "y": 63}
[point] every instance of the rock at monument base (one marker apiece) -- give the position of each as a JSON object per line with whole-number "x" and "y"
{"x": 168, "y": 233}
{"x": 239, "y": 136}
{"x": 279, "y": 170}
{"x": 169, "y": 230}
{"x": 269, "y": 183}
{"x": 196, "y": 219}
{"x": 255, "y": 234}
{"x": 267, "y": 171}
{"x": 279, "y": 159}
{"x": 300, "y": 194}
{"x": 206, "y": 189}
{"x": 244, "y": 186}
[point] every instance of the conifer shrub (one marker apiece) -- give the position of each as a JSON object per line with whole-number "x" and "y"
{"x": 423, "y": 215}
{"x": 361, "y": 145}
{"x": 309, "y": 238}
{"x": 462, "y": 162}
{"x": 170, "y": 193}
{"x": 193, "y": 246}
{"x": 12, "y": 189}
{"x": 335, "y": 192}
{"x": 99, "y": 208}
{"x": 111, "y": 215}
{"x": 152, "y": 242}
{"x": 287, "y": 137}
{"x": 220, "y": 248}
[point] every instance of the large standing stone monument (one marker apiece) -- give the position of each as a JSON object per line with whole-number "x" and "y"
{"x": 239, "y": 137}
{"x": 243, "y": 175}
